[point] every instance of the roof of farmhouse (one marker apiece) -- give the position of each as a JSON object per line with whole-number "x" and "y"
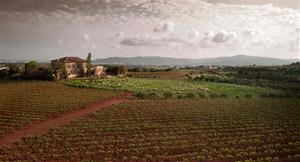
{"x": 69, "y": 59}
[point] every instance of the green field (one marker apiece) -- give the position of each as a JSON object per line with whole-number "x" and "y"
{"x": 160, "y": 88}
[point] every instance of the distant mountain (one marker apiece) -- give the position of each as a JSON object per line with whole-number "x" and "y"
{"x": 237, "y": 60}
{"x": 149, "y": 60}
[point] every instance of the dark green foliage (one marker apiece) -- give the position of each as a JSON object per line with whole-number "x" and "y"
{"x": 180, "y": 96}
{"x": 248, "y": 96}
{"x": 14, "y": 69}
{"x": 214, "y": 95}
{"x": 224, "y": 95}
{"x": 296, "y": 64}
{"x": 190, "y": 95}
{"x": 89, "y": 65}
{"x": 140, "y": 95}
{"x": 201, "y": 95}
{"x": 47, "y": 74}
{"x": 4, "y": 73}
{"x": 168, "y": 95}
{"x": 117, "y": 70}
{"x": 31, "y": 66}
{"x": 144, "y": 95}
{"x": 152, "y": 95}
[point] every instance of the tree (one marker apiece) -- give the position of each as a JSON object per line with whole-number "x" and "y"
{"x": 47, "y": 74}
{"x": 31, "y": 66}
{"x": 295, "y": 63}
{"x": 121, "y": 70}
{"x": 30, "y": 70}
{"x": 117, "y": 70}
{"x": 89, "y": 65}
{"x": 13, "y": 69}
{"x": 4, "y": 73}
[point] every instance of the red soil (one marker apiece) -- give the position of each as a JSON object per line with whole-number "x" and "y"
{"x": 39, "y": 127}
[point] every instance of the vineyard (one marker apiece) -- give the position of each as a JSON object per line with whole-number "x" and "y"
{"x": 173, "y": 130}
{"x": 24, "y": 102}
{"x": 161, "y": 75}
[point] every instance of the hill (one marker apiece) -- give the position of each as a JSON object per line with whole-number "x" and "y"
{"x": 237, "y": 60}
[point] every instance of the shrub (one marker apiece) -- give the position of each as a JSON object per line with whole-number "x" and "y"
{"x": 190, "y": 95}
{"x": 224, "y": 95}
{"x": 200, "y": 158}
{"x": 30, "y": 67}
{"x": 117, "y": 70}
{"x": 180, "y": 96}
{"x": 201, "y": 94}
{"x": 140, "y": 95}
{"x": 248, "y": 96}
{"x": 152, "y": 95}
{"x": 168, "y": 95}
{"x": 47, "y": 74}
{"x": 14, "y": 69}
{"x": 214, "y": 95}
{"x": 264, "y": 95}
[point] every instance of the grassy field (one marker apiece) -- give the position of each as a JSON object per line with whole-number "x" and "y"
{"x": 162, "y": 88}
{"x": 24, "y": 102}
{"x": 173, "y": 130}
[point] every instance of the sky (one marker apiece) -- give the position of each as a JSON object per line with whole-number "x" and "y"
{"x": 50, "y": 29}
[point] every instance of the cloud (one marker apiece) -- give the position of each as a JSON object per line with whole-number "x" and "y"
{"x": 119, "y": 36}
{"x": 220, "y": 37}
{"x": 21, "y": 43}
{"x": 186, "y": 24}
{"x": 208, "y": 35}
{"x": 87, "y": 43}
{"x": 27, "y": 1}
{"x": 86, "y": 37}
{"x": 151, "y": 41}
{"x": 165, "y": 27}
{"x": 252, "y": 33}
{"x": 193, "y": 34}
{"x": 60, "y": 41}
{"x": 107, "y": 1}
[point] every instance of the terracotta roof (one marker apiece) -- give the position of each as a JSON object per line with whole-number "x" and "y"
{"x": 69, "y": 59}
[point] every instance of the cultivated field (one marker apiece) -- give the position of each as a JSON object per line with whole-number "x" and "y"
{"x": 173, "y": 130}
{"x": 164, "y": 88}
{"x": 24, "y": 102}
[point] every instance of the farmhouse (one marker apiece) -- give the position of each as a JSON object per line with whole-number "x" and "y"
{"x": 69, "y": 67}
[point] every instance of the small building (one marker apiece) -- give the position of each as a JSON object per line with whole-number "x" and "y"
{"x": 69, "y": 67}
{"x": 98, "y": 70}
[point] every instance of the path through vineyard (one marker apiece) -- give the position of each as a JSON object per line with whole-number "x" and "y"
{"x": 39, "y": 127}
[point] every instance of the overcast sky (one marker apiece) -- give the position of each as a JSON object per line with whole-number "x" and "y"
{"x": 48, "y": 29}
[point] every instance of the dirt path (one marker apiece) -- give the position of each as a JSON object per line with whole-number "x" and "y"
{"x": 39, "y": 127}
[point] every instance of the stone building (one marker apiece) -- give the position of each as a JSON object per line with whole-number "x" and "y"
{"x": 69, "y": 67}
